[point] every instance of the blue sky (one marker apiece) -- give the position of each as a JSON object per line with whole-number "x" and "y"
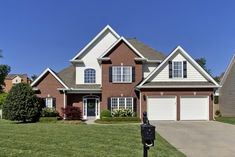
{"x": 36, "y": 34}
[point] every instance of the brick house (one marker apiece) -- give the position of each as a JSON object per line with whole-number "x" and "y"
{"x": 113, "y": 72}
{"x": 12, "y": 79}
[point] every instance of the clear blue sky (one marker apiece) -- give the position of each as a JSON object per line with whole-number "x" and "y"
{"x": 37, "y": 34}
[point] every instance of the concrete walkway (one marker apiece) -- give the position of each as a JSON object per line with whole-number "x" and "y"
{"x": 199, "y": 139}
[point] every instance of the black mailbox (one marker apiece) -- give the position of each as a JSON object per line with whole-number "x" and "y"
{"x": 148, "y": 134}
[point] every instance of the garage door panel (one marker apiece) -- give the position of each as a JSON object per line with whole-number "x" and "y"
{"x": 162, "y": 108}
{"x": 194, "y": 108}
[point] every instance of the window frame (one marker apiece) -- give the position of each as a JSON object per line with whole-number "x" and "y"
{"x": 173, "y": 69}
{"x": 121, "y": 75}
{"x": 86, "y": 72}
{"x": 47, "y": 101}
{"x": 118, "y": 103}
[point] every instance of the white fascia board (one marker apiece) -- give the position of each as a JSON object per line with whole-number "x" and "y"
{"x": 154, "y": 61}
{"x": 189, "y": 58}
{"x": 140, "y": 87}
{"x": 94, "y": 39}
{"x": 50, "y": 71}
{"x": 228, "y": 70}
{"x": 125, "y": 41}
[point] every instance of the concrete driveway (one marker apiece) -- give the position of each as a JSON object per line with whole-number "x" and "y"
{"x": 199, "y": 138}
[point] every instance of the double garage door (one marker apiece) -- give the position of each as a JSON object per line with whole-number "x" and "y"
{"x": 165, "y": 108}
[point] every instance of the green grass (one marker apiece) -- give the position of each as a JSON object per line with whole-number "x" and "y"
{"x": 62, "y": 140}
{"x": 230, "y": 120}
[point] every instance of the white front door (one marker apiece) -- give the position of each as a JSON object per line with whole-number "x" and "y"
{"x": 194, "y": 108}
{"x": 161, "y": 108}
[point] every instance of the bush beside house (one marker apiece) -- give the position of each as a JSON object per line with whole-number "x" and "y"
{"x": 22, "y": 104}
{"x": 72, "y": 113}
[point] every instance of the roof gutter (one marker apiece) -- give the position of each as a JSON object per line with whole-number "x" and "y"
{"x": 141, "y": 87}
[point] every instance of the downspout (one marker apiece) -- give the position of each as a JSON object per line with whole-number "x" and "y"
{"x": 65, "y": 101}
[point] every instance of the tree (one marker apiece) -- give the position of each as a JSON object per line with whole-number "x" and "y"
{"x": 3, "y": 97}
{"x": 34, "y": 77}
{"x": 22, "y": 104}
{"x": 4, "y": 71}
{"x": 202, "y": 63}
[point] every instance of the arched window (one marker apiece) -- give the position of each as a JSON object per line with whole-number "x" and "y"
{"x": 89, "y": 76}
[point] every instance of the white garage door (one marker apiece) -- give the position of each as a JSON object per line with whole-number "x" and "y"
{"x": 194, "y": 108}
{"x": 161, "y": 108}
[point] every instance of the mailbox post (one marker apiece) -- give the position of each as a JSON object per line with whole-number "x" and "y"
{"x": 147, "y": 134}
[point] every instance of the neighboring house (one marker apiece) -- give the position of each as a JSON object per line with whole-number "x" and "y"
{"x": 112, "y": 72}
{"x": 13, "y": 79}
{"x": 227, "y": 91}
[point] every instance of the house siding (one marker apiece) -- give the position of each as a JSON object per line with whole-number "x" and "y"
{"x": 121, "y": 54}
{"x": 227, "y": 94}
{"x": 192, "y": 73}
{"x": 90, "y": 59}
{"x": 48, "y": 86}
{"x": 178, "y": 93}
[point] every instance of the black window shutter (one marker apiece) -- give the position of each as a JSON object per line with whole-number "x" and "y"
{"x": 133, "y": 74}
{"x": 135, "y": 105}
{"x": 170, "y": 69}
{"x": 54, "y": 102}
{"x": 109, "y": 104}
{"x": 185, "y": 69}
{"x": 110, "y": 74}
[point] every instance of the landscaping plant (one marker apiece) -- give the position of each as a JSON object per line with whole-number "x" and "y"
{"x": 71, "y": 113}
{"x": 22, "y": 104}
{"x": 49, "y": 112}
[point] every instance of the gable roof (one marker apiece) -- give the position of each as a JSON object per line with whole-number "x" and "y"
{"x": 186, "y": 55}
{"x": 126, "y": 42}
{"x": 146, "y": 51}
{"x": 48, "y": 70}
{"x": 229, "y": 68}
{"x": 12, "y": 76}
{"x": 107, "y": 28}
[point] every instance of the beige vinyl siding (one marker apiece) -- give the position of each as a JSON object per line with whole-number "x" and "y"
{"x": 192, "y": 73}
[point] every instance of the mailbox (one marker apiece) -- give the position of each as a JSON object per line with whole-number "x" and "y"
{"x": 148, "y": 134}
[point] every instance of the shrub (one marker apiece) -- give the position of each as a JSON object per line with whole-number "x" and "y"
{"x": 216, "y": 99}
{"x": 3, "y": 97}
{"x": 122, "y": 113}
{"x": 22, "y": 104}
{"x": 49, "y": 112}
{"x": 217, "y": 113}
{"x": 110, "y": 120}
{"x": 106, "y": 113}
{"x": 71, "y": 113}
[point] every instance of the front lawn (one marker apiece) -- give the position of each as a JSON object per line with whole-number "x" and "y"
{"x": 230, "y": 120}
{"x": 60, "y": 139}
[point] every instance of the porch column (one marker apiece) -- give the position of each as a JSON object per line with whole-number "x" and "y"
{"x": 65, "y": 102}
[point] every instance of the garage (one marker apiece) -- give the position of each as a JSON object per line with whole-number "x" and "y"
{"x": 161, "y": 108}
{"x": 194, "y": 108}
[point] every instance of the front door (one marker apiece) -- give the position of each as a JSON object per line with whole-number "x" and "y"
{"x": 91, "y": 105}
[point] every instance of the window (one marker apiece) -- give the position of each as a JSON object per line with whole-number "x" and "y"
{"x": 121, "y": 103}
{"x": 177, "y": 69}
{"x": 122, "y": 74}
{"x": 49, "y": 102}
{"x": 89, "y": 76}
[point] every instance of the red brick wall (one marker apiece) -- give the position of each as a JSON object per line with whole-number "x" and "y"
{"x": 8, "y": 85}
{"x": 48, "y": 86}
{"x": 121, "y": 54}
{"x": 177, "y": 93}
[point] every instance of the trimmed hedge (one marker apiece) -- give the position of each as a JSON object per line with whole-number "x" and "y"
{"x": 119, "y": 120}
{"x": 49, "y": 112}
{"x": 105, "y": 113}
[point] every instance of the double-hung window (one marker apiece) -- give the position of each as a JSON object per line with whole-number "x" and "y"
{"x": 121, "y": 103}
{"x": 177, "y": 70}
{"x": 122, "y": 74}
{"x": 49, "y": 102}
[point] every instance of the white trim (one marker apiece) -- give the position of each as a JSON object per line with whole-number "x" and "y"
{"x": 94, "y": 39}
{"x": 132, "y": 101}
{"x": 97, "y": 105}
{"x": 50, "y": 71}
{"x": 173, "y": 68}
{"x": 128, "y": 43}
{"x": 65, "y": 101}
{"x": 122, "y": 67}
{"x": 140, "y": 104}
{"x": 185, "y": 54}
{"x": 228, "y": 70}
{"x": 176, "y": 87}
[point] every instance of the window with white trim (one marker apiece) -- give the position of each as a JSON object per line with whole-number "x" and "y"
{"x": 177, "y": 69}
{"x": 121, "y": 103}
{"x": 89, "y": 75}
{"x": 122, "y": 74}
{"x": 49, "y": 102}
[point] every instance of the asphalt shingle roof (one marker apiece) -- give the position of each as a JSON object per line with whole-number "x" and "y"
{"x": 12, "y": 76}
